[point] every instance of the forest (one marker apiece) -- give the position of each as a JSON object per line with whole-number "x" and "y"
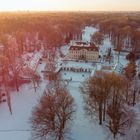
{"x": 105, "y": 95}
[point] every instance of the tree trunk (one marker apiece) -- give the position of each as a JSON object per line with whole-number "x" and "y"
{"x": 134, "y": 97}
{"x": 118, "y": 56}
{"x": 9, "y": 102}
{"x": 15, "y": 77}
{"x": 127, "y": 92}
{"x": 60, "y": 134}
{"x": 100, "y": 113}
{"x": 126, "y": 97}
{"x": 16, "y": 83}
{"x": 3, "y": 75}
{"x": 104, "y": 111}
{"x": 34, "y": 84}
{"x": 114, "y": 135}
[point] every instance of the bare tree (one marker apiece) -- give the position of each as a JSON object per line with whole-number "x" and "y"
{"x": 130, "y": 73}
{"x": 35, "y": 77}
{"x": 105, "y": 94}
{"x": 118, "y": 118}
{"x": 98, "y": 38}
{"x": 96, "y": 91}
{"x": 130, "y": 70}
{"x": 52, "y": 116}
{"x": 116, "y": 105}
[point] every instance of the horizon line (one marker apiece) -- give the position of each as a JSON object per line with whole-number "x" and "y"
{"x": 13, "y": 11}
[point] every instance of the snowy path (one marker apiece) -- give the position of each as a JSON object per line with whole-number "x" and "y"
{"x": 83, "y": 129}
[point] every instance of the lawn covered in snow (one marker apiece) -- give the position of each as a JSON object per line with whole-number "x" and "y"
{"x": 79, "y": 64}
{"x": 82, "y": 128}
{"x": 17, "y": 126}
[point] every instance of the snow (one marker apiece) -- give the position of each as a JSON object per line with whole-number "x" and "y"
{"x": 80, "y": 64}
{"x": 65, "y": 49}
{"x": 82, "y": 128}
{"x": 17, "y": 126}
{"x": 87, "y": 32}
{"x": 118, "y": 68}
{"x": 75, "y": 76}
{"x": 122, "y": 58}
{"x": 14, "y": 135}
{"x": 106, "y": 45}
{"x": 32, "y": 64}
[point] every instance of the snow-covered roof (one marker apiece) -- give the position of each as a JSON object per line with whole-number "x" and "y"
{"x": 91, "y": 48}
{"x": 80, "y": 45}
{"x": 118, "y": 68}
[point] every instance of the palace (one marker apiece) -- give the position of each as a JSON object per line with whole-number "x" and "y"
{"x": 83, "y": 51}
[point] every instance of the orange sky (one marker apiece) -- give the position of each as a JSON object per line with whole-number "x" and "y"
{"x": 70, "y": 5}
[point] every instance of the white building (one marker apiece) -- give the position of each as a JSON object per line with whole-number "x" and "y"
{"x": 83, "y": 51}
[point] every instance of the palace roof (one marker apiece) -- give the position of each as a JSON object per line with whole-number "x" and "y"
{"x": 91, "y": 47}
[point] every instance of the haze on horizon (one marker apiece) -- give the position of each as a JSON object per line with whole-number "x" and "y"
{"x": 70, "y": 5}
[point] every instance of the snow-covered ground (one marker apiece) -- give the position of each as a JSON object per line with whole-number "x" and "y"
{"x": 80, "y": 64}
{"x": 82, "y": 128}
{"x": 104, "y": 49}
{"x": 75, "y": 76}
{"x": 65, "y": 49}
{"x": 17, "y": 126}
{"x": 106, "y": 45}
{"x": 87, "y": 32}
{"x": 33, "y": 59}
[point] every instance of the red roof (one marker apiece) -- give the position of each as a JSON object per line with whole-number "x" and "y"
{"x": 92, "y": 47}
{"x": 81, "y": 43}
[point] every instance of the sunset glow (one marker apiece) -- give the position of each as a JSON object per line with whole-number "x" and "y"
{"x": 70, "y": 5}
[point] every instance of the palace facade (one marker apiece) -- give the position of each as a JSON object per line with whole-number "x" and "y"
{"x": 83, "y": 51}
